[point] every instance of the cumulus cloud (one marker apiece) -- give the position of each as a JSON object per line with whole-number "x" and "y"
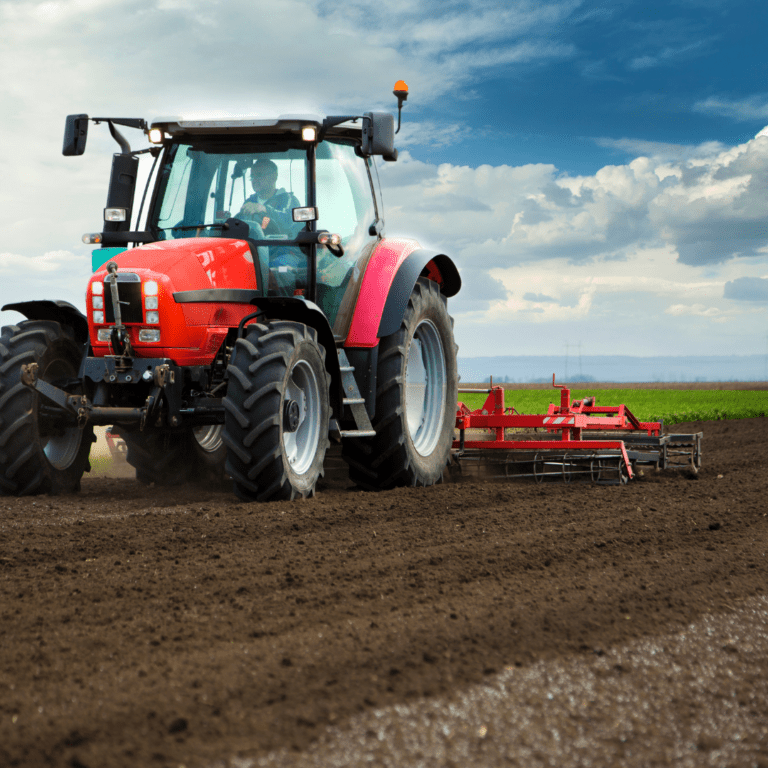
{"x": 747, "y": 289}
{"x": 538, "y": 297}
{"x": 708, "y": 205}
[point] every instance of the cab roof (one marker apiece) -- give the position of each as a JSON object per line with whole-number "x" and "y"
{"x": 218, "y": 126}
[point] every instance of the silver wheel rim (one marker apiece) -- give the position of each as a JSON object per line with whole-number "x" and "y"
{"x": 301, "y": 446}
{"x": 209, "y": 437}
{"x": 61, "y": 449}
{"x": 425, "y": 385}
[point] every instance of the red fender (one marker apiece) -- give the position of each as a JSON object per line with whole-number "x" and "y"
{"x": 390, "y": 275}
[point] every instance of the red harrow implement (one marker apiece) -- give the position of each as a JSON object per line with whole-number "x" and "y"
{"x": 600, "y": 443}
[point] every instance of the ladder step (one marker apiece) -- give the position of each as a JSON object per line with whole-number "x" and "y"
{"x": 353, "y": 401}
{"x": 358, "y": 433}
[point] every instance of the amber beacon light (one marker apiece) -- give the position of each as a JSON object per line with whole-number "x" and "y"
{"x": 401, "y": 91}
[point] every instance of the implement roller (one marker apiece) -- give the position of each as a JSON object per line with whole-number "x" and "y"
{"x": 575, "y": 440}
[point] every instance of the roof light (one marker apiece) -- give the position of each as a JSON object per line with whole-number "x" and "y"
{"x": 309, "y": 133}
{"x": 115, "y": 214}
{"x": 156, "y": 136}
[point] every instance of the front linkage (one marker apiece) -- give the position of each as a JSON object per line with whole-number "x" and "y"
{"x": 163, "y": 407}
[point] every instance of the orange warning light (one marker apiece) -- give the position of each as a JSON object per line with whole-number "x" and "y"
{"x": 401, "y": 88}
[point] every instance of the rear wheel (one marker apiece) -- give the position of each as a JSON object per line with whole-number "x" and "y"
{"x": 415, "y": 400}
{"x": 174, "y": 458}
{"x": 276, "y": 412}
{"x": 39, "y": 452}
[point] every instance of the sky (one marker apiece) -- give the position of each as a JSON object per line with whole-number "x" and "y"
{"x": 594, "y": 168}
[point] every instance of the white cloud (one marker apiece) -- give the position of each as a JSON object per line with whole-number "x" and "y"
{"x": 708, "y": 206}
{"x": 750, "y": 108}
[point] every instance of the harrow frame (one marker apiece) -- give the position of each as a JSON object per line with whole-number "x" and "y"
{"x": 593, "y": 440}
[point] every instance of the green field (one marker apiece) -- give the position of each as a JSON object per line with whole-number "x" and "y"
{"x": 671, "y": 405}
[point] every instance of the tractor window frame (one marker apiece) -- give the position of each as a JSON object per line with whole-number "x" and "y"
{"x": 224, "y": 146}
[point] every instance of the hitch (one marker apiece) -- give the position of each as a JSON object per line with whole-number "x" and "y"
{"x": 80, "y": 409}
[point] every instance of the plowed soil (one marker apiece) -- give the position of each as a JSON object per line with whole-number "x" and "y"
{"x": 150, "y": 627}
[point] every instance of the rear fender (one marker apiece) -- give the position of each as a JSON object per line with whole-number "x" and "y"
{"x": 300, "y": 310}
{"x": 61, "y": 312}
{"x": 387, "y": 287}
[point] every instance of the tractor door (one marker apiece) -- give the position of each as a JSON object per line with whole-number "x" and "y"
{"x": 346, "y": 207}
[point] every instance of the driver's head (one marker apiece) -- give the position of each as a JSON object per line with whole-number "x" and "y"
{"x": 264, "y": 178}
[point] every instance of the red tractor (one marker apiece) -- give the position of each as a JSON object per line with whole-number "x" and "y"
{"x": 255, "y": 312}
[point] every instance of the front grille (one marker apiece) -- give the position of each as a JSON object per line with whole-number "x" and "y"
{"x": 130, "y": 302}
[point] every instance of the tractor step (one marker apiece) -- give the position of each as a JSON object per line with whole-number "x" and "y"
{"x": 354, "y": 401}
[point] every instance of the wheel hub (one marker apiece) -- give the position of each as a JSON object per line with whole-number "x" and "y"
{"x": 425, "y": 385}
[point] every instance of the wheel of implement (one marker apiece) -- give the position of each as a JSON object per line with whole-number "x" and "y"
{"x": 38, "y": 452}
{"x": 276, "y": 412}
{"x": 173, "y": 458}
{"x": 416, "y": 398}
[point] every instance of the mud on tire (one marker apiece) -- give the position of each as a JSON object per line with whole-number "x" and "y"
{"x": 417, "y": 389}
{"x": 37, "y": 455}
{"x": 276, "y": 412}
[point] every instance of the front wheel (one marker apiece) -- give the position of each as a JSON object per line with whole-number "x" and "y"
{"x": 40, "y": 452}
{"x": 415, "y": 400}
{"x": 276, "y": 412}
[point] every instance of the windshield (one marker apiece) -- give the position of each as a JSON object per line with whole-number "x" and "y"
{"x": 203, "y": 186}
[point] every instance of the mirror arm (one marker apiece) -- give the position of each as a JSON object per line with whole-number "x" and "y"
{"x": 119, "y": 138}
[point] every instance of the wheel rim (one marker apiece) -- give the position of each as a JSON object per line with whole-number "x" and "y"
{"x": 209, "y": 437}
{"x": 425, "y": 385}
{"x": 301, "y": 445}
{"x": 60, "y": 446}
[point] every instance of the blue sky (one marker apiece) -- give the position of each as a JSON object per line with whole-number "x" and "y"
{"x": 607, "y": 73}
{"x": 594, "y": 168}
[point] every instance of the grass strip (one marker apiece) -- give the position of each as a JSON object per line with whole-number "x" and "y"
{"x": 671, "y": 405}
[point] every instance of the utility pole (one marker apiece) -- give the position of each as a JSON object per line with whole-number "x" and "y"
{"x": 581, "y": 373}
{"x": 765, "y": 376}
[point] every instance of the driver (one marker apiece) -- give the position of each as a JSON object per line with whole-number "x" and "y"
{"x": 269, "y": 205}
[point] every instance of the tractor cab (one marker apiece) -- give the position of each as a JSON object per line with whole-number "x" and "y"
{"x": 307, "y": 208}
{"x": 253, "y": 312}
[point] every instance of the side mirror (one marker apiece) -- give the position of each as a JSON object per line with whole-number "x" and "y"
{"x": 379, "y": 135}
{"x": 75, "y": 134}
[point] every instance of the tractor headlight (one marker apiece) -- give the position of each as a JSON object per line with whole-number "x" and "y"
{"x": 104, "y": 334}
{"x": 152, "y": 318}
{"x": 155, "y": 135}
{"x": 149, "y": 335}
{"x": 115, "y": 214}
{"x": 150, "y": 302}
{"x": 98, "y": 318}
{"x": 98, "y": 302}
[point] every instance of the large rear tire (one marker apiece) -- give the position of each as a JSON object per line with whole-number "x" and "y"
{"x": 276, "y": 412}
{"x": 38, "y": 455}
{"x": 415, "y": 400}
{"x": 175, "y": 458}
